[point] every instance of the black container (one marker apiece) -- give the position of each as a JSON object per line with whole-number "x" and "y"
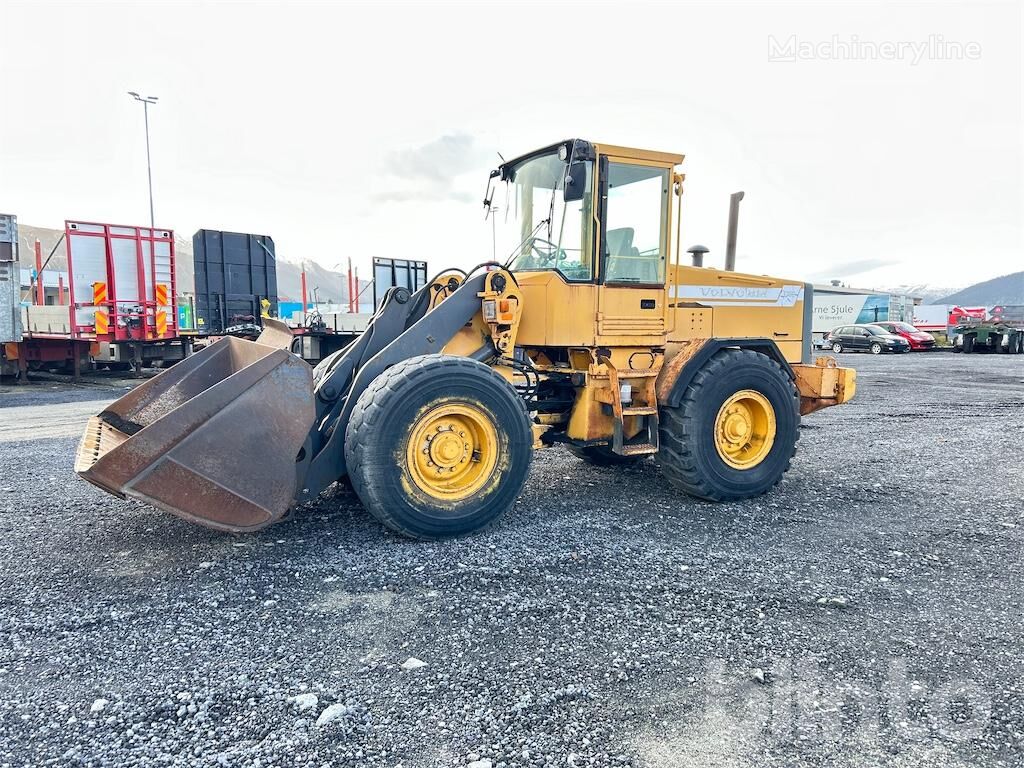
{"x": 235, "y": 272}
{"x": 396, "y": 272}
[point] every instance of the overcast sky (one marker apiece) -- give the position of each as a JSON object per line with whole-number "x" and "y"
{"x": 368, "y": 130}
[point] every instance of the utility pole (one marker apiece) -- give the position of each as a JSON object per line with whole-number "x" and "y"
{"x": 146, "y": 101}
{"x": 305, "y": 299}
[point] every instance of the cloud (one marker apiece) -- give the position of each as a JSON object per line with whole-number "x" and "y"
{"x": 429, "y": 171}
{"x": 441, "y": 160}
{"x": 419, "y": 194}
{"x": 853, "y": 268}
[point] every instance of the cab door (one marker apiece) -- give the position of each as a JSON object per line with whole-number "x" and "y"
{"x": 634, "y": 213}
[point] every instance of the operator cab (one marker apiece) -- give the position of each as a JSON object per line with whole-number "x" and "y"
{"x": 592, "y": 214}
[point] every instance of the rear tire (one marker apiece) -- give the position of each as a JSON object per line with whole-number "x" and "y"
{"x": 837, "y": 347}
{"x": 689, "y": 454}
{"x": 602, "y": 456}
{"x": 422, "y": 411}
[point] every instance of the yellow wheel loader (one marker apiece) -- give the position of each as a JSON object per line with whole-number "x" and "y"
{"x": 591, "y": 334}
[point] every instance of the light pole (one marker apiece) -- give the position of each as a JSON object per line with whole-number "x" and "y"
{"x": 146, "y": 101}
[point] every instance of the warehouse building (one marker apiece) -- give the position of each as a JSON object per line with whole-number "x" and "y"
{"x": 836, "y": 304}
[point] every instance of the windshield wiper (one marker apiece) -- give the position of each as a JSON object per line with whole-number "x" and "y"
{"x": 517, "y": 251}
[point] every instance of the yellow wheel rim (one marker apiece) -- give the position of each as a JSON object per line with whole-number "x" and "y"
{"x": 745, "y": 429}
{"x": 453, "y": 450}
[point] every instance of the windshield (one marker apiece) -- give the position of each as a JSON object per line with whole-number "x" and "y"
{"x": 876, "y": 330}
{"x": 535, "y": 229}
{"x": 905, "y": 327}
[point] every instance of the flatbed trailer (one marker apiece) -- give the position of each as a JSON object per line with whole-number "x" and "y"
{"x": 320, "y": 335}
{"x": 989, "y": 337}
{"x": 1001, "y": 331}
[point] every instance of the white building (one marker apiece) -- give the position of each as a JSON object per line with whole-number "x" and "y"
{"x": 836, "y": 305}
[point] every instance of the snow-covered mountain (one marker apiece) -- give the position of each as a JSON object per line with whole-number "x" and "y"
{"x": 1008, "y": 289}
{"x": 927, "y": 292}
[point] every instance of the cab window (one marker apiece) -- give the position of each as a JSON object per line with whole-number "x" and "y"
{"x": 636, "y": 224}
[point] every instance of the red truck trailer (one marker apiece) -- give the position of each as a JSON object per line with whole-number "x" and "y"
{"x": 121, "y": 296}
{"x": 122, "y": 282}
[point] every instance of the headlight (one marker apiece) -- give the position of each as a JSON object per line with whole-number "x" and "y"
{"x": 490, "y": 310}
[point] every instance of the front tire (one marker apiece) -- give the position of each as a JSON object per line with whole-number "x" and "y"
{"x": 876, "y": 348}
{"x": 438, "y": 446}
{"x": 739, "y": 395}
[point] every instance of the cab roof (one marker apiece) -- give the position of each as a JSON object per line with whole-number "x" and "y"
{"x": 639, "y": 154}
{"x": 588, "y": 150}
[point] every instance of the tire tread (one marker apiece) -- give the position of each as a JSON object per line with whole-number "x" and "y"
{"x": 675, "y": 454}
{"x": 369, "y": 410}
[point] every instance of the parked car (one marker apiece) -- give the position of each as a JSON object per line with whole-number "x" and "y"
{"x": 866, "y": 338}
{"x": 918, "y": 339}
{"x": 824, "y": 342}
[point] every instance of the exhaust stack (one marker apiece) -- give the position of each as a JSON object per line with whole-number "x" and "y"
{"x": 734, "y": 220}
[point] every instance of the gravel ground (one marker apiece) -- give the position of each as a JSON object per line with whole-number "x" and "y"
{"x": 868, "y": 612}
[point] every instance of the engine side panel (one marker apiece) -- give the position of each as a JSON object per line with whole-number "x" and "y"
{"x": 711, "y": 303}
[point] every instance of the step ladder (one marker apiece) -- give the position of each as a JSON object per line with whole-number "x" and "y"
{"x": 642, "y": 383}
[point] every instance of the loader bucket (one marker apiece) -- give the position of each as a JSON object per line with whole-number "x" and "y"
{"x": 213, "y": 440}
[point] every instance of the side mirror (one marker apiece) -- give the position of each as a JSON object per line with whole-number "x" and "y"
{"x": 575, "y": 182}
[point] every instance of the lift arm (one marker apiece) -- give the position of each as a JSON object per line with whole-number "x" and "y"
{"x": 401, "y": 329}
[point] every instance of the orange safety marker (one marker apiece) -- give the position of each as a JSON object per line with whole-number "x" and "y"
{"x": 99, "y": 293}
{"x": 161, "y": 323}
{"x": 102, "y": 322}
{"x": 161, "y": 295}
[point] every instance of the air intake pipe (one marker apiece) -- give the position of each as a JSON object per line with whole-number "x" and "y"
{"x": 697, "y": 252}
